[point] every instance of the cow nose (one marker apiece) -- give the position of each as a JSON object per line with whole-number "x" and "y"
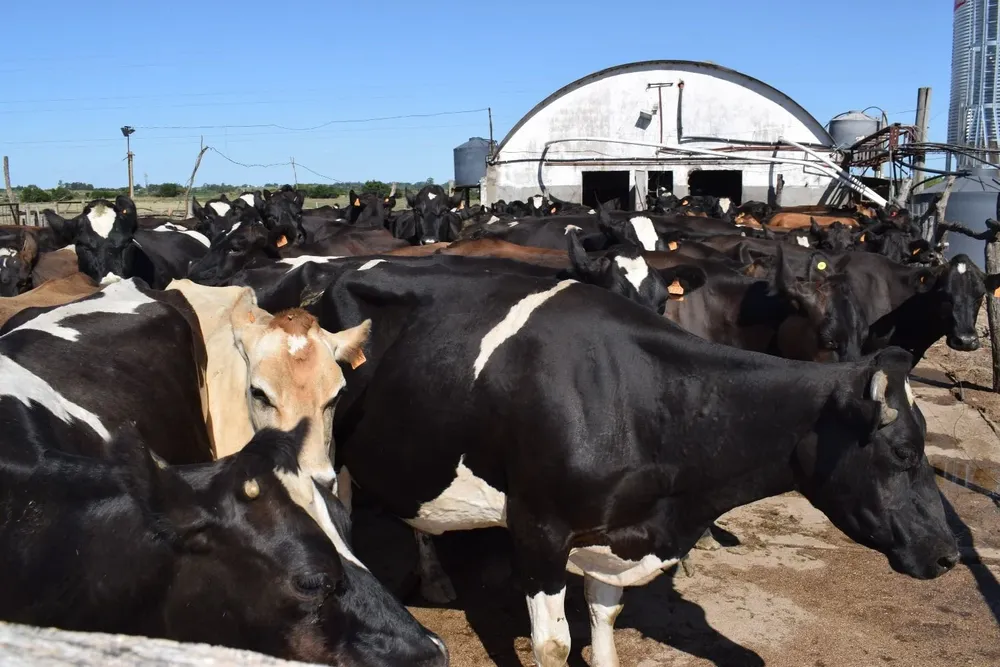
{"x": 441, "y": 659}
{"x": 964, "y": 342}
{"x": 948, "y": 562}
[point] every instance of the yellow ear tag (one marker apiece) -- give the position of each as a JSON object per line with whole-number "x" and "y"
{"x": 359, "y": 358}
{"x": 821, "y": 266}
{"x": 676, "y": 287}
{"x": 996, "y": 292}
{"x": 672, "y": 245}
{"x": 916, "y": 251}
{"x": 282, "y": 241}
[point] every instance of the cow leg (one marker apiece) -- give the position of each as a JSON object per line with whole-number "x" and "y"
{"x": 343, "y": 488}
{"x": 707, "y": 542}
{"x": 604, "y": 602}
{"x": 550, "y": 640}
{"x": 540, "y": 557}
{"x": 435, "y": 586}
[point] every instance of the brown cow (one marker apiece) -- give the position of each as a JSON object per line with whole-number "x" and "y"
{"x": 51, "y": 293}
{"x": 55, "y": 265}
{"x": 787, "y": 220}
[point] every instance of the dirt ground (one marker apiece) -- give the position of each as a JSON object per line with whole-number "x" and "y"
{"x": 794, "y": 593}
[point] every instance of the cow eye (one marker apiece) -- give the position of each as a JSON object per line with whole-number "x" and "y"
{"x": 903, "y": 455}
{"x": 258, "y": 395}
{"x": 312, "y": 583}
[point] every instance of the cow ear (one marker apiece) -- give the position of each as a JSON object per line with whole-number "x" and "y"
{"x": 918, "y": 249}
{"x": 300, "y": 198}
{"x": 923, "y": 280}
{"x": 411, "y": 200}
{"x": 457, "y": 197}
{"x": 224, "y": 198}
{"x": 347, "y": 344}
{"x": 580, "y": 263}
{"x": 814, "y": 226}
{"x": 29, "y": 249}
{"x": 820, "y": 268}
{"x": 248, "y": 321}
{"x": 688, "y": 278}
{"x": 125, "y": 208}
{"x": 266, "y": 194}
{"x": 993, "y": 284}
{"x": 197, "y": 209}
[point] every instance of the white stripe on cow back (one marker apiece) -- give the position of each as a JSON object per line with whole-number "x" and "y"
{"x": 514, "y": 321}
{"x": 303, "y": 491}
{"x": 102, "y": 219}
{"x": 601, "y": 563}
{"x": 468, "y": 503}
{"x": 20, "y": 383}
{"x": 171, "y": 227}
{"x": 369, "y": 264}
{"x": 121, "y": 298}
{"x": 636, "y": 270}
{"x": 220, "y": 208}
{"x": 645, "y": 232}
{"x": 296, "y": 262}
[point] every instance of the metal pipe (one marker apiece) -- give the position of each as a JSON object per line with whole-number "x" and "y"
{"x": 823, "y": 165}
{"x": 680, "y": 113}
{"x": 864, "y": 189}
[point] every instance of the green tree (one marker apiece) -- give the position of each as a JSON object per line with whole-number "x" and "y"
{"x": 103, "y": 194}
{"x": 376, "y": 188}
{"x": 169, "y": 190}
{"x": 61, "y": 193}
{"x": 32, "y": 194}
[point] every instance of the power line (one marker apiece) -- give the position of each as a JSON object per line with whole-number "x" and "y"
{"x": 269, "y": 166}
{"x": 309, "y": 129}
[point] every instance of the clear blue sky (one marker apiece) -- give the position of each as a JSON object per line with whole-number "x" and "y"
{"x": 74, "y": 73}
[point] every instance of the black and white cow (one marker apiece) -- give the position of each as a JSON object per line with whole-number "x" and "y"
{"x": 605, "y": 439}
{"x": 18, "y": 254}
{"x": 431, "y": 206}
{"x": 141, "y": 550}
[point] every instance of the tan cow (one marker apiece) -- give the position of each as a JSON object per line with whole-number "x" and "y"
{"x": 51, "y": 293}
{"x": 54, "y": 265}
{"x": 802, "y": 220}
{"x": 270, "y": 370}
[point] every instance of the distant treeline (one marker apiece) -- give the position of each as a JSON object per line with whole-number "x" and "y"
{"x": 77, "y": 190}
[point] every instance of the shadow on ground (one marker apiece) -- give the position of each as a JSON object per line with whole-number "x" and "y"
{"x": 489, "y": 595}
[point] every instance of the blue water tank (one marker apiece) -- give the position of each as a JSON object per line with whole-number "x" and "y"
{"x": 470, "y": 162}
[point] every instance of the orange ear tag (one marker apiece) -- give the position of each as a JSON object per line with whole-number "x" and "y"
{"x": 251, "y": 317}
{"x": 996, "y": 293}
{"x": 916, "y": 251}
{"x": 861, "y": 238}
{"x": 358, "y": 359}
{"x": 357, "y": 202}
{"x": 282, "y": 241}
{"x": 676, "y": 288}
{"x": 672, "y": 245}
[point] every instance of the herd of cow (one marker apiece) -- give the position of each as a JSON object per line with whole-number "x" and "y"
{"x": 187, "y": 407}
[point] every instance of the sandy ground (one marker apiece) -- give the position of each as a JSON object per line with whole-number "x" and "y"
{"x": 794, "y": 593}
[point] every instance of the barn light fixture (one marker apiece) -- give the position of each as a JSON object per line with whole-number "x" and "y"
{"x": 127, "y": 130}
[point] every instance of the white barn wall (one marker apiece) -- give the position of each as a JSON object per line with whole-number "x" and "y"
{"x": 717, "y": 102}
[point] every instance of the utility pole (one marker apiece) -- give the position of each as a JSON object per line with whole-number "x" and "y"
{"x": 127, "y": 131}
{"x": 923, "y": 111}
{"x": 295, "y": 175}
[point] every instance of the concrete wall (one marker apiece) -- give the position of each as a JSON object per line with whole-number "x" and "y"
{"x": 716, "y": 103}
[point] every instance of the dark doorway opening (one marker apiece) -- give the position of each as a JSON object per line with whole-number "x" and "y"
{"x": 717, "y": 183}
{"x": 660, "y": 179}
{"x": 603, "y": 186}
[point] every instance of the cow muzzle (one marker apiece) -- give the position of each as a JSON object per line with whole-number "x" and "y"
{"x": 964, "y": 342}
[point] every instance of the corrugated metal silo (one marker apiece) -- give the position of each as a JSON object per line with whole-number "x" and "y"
{"x": 851, "y": 127}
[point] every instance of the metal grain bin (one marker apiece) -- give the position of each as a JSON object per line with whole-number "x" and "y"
{"x": 973, "y": 200}
{"x": 470, "y": 162}
{"x": 851, "y": 127}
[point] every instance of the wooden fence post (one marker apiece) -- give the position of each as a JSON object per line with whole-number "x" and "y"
{"x": 992, "y": 250}
{"x": 187, "y": 191}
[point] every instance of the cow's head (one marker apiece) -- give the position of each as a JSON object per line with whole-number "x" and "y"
{"x": 103, "y": 236}
{"x": 623, "y": 270}
{"x": 282, "y": 214}
{"x": 258, "y": 516}
{"x": 957, "y": 289}
{"x": 212, "y": 217}
{"x": 865, "y": 468}
{"x": 836, "y": 237}
{"x": 433, "y": 216}
{"x": 827, "y": 323}
{"x": 293, "y": 373}
{"x": 17, "y": 259}
{"x": 246, "y": 243}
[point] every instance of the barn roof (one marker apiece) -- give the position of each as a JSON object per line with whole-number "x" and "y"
{"x": 682, "y": 65}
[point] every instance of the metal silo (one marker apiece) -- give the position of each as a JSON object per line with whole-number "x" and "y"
{"x": 975, "y": 93}
{"x": 973, "y": 200}
{"x": 470, "y": 162}
{"x": 851, "y": 127}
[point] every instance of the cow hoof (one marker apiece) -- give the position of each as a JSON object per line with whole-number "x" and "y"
{"x": 438, "y": 591}
{"x": 552, "y": 653}
{"x": 707, "y": 543}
